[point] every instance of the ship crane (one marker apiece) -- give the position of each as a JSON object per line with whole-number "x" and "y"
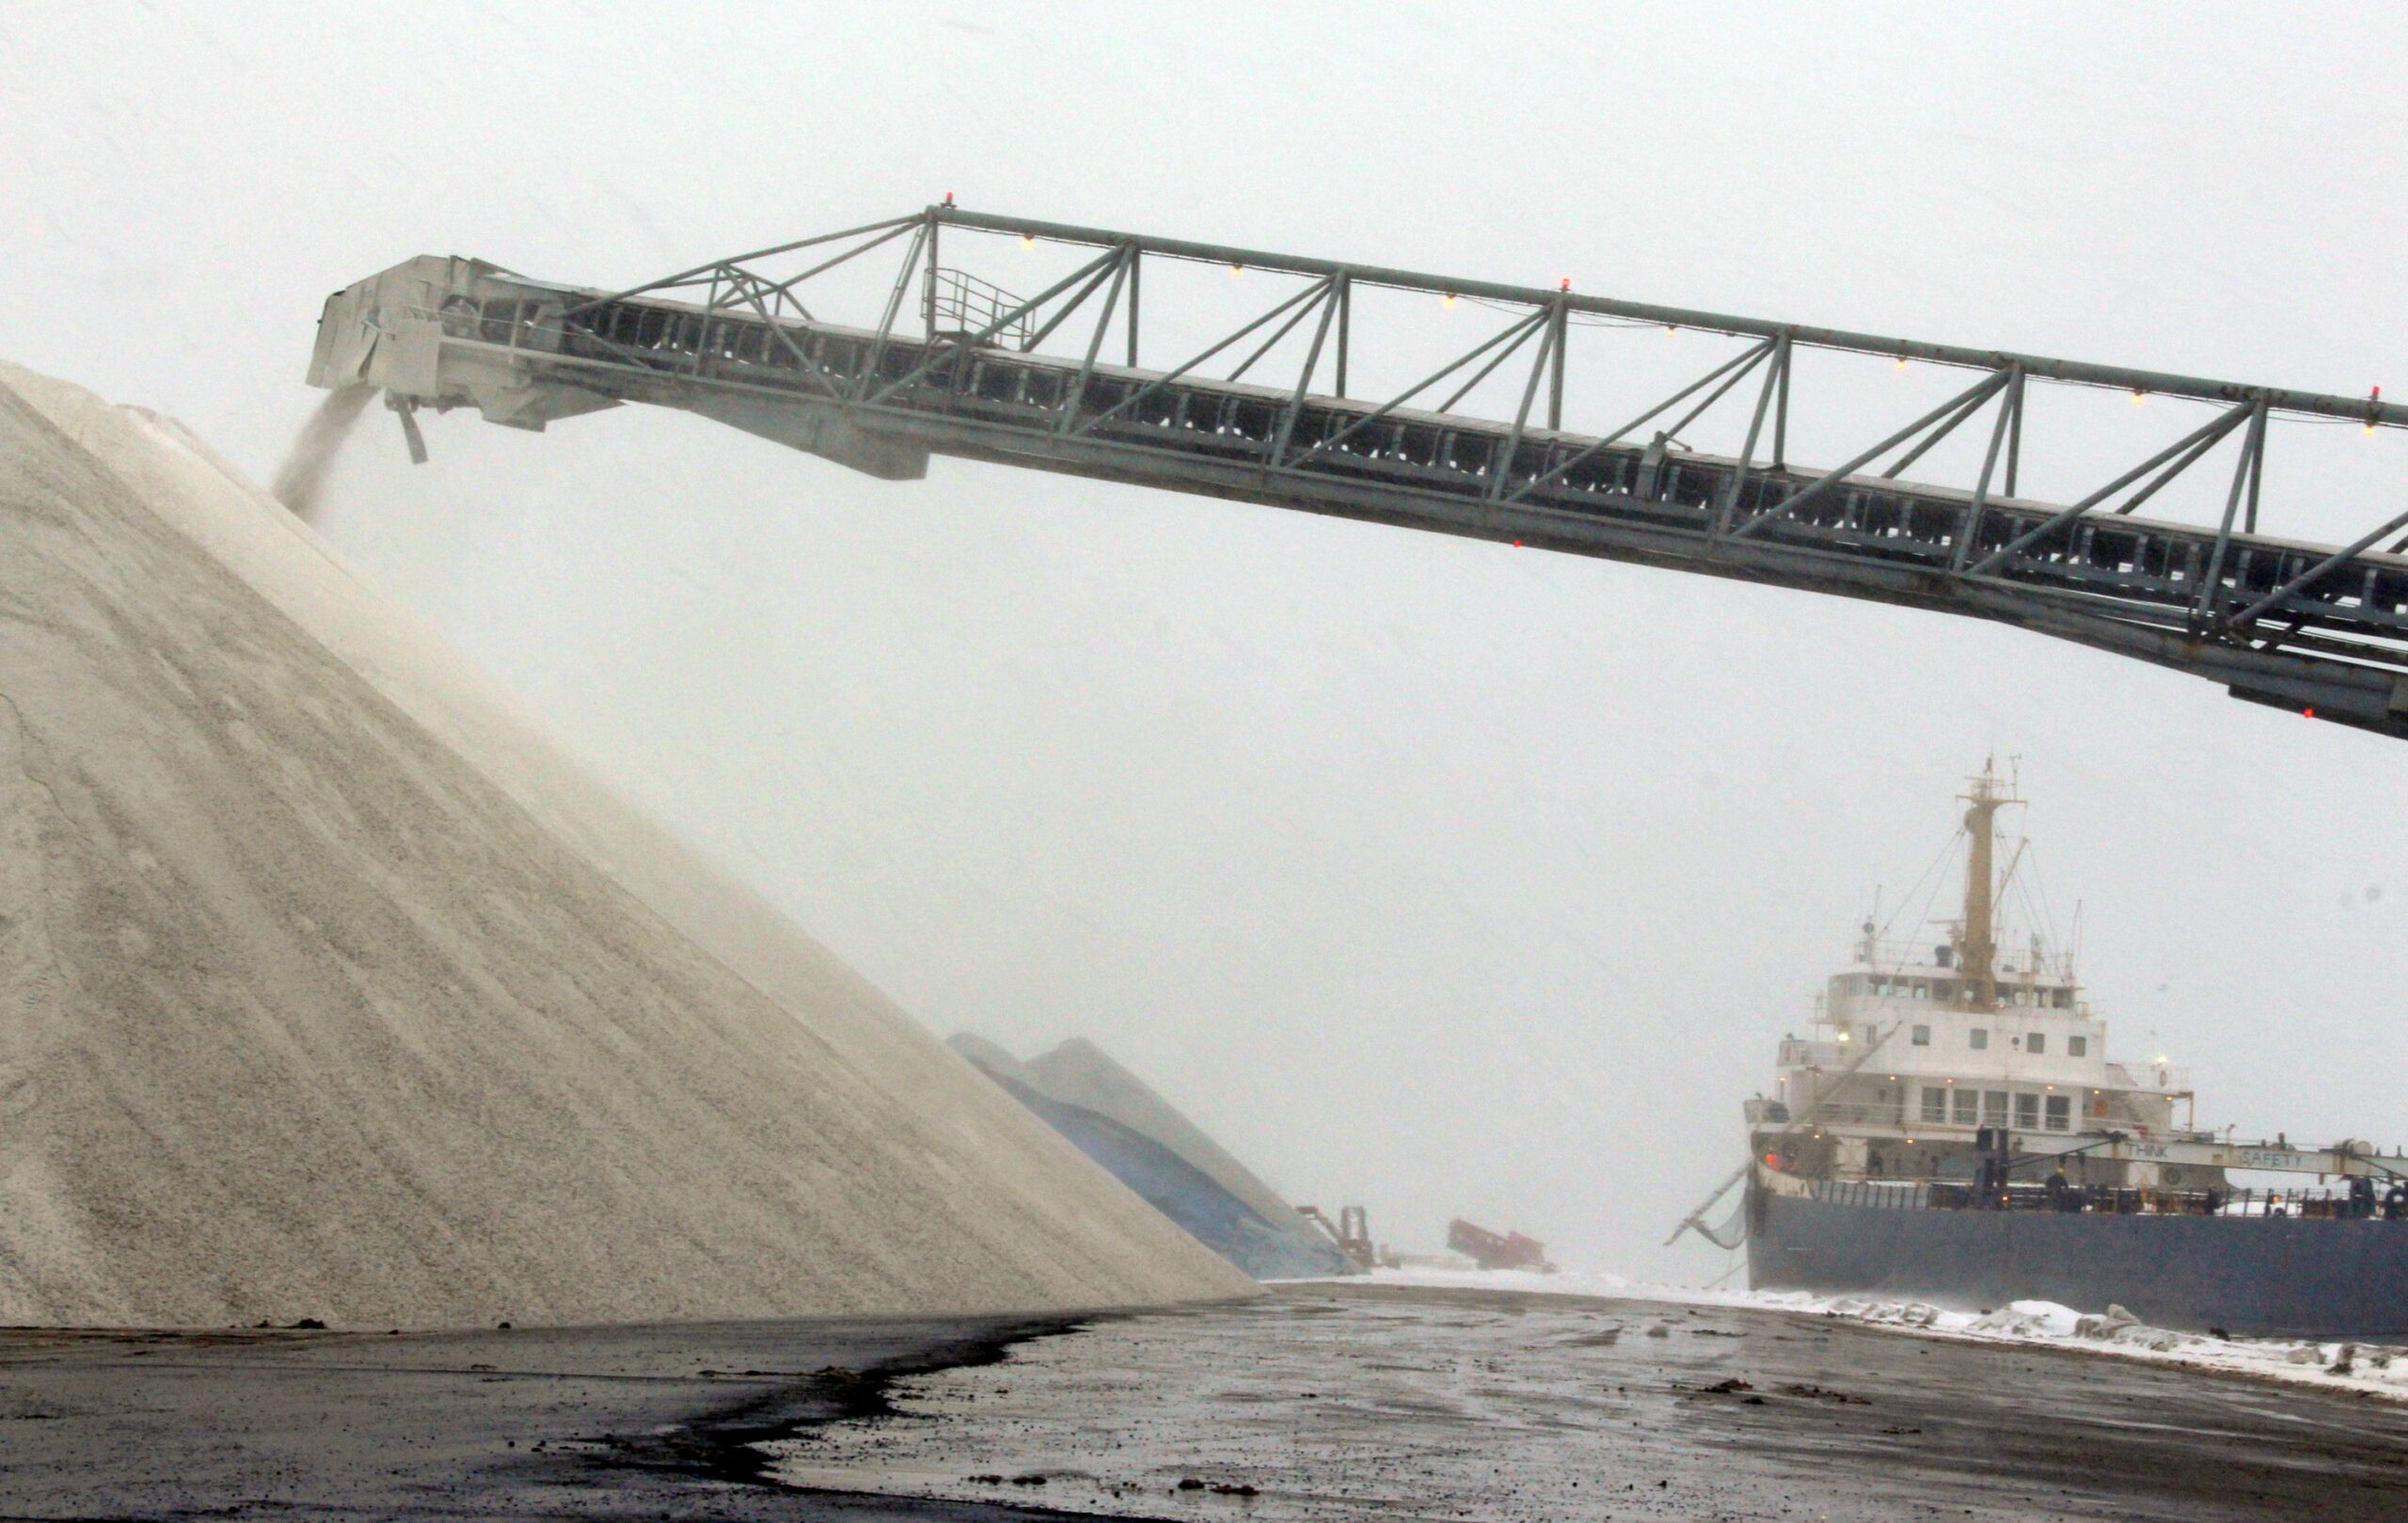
{"x": 1071, "y": 379}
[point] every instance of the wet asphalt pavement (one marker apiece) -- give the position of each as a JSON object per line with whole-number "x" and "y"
{"x": 1331, "y": 1402}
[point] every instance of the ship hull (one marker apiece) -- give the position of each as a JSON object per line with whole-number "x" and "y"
{"x": 2310, "y": 1278}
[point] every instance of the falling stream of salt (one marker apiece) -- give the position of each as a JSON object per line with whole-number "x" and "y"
{"x": 302, "y": 474}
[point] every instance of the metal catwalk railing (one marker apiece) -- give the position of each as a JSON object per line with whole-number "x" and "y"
{"x": 1887, "y": 1195}
{"x": 2322, "y": 629}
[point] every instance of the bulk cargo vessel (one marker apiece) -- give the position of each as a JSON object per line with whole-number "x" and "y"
{"x": 1953, "y": 1128}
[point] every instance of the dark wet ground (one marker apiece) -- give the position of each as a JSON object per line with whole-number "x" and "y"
{"x": 570, "y": 1423}
{"x": 1331, "y": 1402}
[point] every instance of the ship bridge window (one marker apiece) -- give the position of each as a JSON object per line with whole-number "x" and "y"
{"x": 1935, "y": 1103}
{"x": 1969, "y": 1104}
{"x": 1978, "y": 1038}
{"x": 2077, "y": 1046}
{"x": 1922, "y": 1036}
{"x": 2061, "y": 998}
{"x": 2027, "y": 1111}
{"x": 1944, "y": 989}
{"x": 1993, "y": 1108}
{"x": 1922, "y": 989}
{"x": 2037, "y": 1042}
{"x": 2060, "y": 1112}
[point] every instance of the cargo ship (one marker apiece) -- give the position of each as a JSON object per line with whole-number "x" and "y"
{"x": 1951, "y": 1129}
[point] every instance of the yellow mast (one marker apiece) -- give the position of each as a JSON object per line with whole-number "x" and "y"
{"x": 1979, "y": 938}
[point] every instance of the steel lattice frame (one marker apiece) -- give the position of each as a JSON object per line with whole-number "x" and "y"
{"x": 964, "y": 369}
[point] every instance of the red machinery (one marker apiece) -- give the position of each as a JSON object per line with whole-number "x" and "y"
{"x": 1493, "y": 1250}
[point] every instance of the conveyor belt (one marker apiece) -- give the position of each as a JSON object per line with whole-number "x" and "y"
{"x": 2322, "y": 630}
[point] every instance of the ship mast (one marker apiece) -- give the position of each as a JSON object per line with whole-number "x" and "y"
{"x": 1979, "y": 950}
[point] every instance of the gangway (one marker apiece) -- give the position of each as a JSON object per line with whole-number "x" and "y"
{"x": 970, "y": 370}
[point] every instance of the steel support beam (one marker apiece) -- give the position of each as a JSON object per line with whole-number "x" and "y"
{"x": 2318, "y": 572}
{"x": 725, "y": 340}
{"x": 2123, "y": 377}
{"x": 1973, "y": 394}
{"x": 2207, "y": 434}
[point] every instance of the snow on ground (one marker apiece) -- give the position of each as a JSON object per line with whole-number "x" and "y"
{"x": 2366, "y": 1369}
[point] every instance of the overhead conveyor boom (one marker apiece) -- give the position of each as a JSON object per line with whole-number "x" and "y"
{"x": 1046, "y": 382}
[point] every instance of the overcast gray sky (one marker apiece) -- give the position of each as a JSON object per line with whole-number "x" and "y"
{"x": 1426, "y": 874}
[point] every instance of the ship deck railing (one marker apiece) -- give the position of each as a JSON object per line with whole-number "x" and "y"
{"x": 2097, "y": 1199}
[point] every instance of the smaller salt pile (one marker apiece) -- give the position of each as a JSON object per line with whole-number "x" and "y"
{"x": 1118, "y": 1120}
{"x": 328, "y": 987}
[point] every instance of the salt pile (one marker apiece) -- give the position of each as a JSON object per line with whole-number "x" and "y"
{"x": 328, "y": 987}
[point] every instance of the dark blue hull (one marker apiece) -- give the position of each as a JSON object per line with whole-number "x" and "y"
{"x": 2249, "y": 1277}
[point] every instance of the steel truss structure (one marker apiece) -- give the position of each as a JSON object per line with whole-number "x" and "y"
{"x": 953, "y": 364}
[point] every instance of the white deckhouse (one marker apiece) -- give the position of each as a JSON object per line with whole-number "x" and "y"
{"x": 1915, "y": 1048}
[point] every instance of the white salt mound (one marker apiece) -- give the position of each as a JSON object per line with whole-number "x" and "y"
{"x": 328, "y": 987}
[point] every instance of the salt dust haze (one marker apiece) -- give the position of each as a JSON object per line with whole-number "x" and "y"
{"x": 1435, "y": 876}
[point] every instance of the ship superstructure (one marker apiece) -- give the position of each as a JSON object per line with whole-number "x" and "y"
{"x": 1953, "y": 1128}
{"x": 1922, "y": 1044}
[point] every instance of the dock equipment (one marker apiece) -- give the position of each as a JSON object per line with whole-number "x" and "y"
{"x": 1053, "y": 381}
{"x": 1352, "y": 1232}
{"x": 1497, "y": 1250}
